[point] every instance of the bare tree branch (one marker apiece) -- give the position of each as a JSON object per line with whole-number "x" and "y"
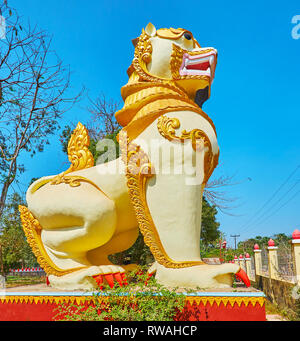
{"x": 216, "y": 196}
{"x": 103, "y": 121}
{"x": 34, "y": 86}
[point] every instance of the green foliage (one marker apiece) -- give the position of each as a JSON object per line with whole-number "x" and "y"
{"x": 209, "y": 252}
{"x": 65, "y": 137}
{"x": 135, "y": 302}
{"x": 210, "y": 227}
{"x": 97, "y": 150}
{"x": 139, "y": 253}
{"x": 15, "y": 250}
{"x": 246, "y": 246}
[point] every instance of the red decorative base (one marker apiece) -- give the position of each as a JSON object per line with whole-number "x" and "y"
{"x": 222, "y": 312}
{"x": 238, "y": 306}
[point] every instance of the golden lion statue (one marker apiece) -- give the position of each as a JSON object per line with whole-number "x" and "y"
{"x": 169, "y": 149}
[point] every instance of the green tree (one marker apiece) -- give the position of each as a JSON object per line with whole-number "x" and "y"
{"x": 281, "y": 240}
{"x": 210, "y": 227}
{"x": 16, "y": 252}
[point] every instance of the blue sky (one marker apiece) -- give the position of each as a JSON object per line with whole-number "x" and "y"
{"x": 255, "y": 94}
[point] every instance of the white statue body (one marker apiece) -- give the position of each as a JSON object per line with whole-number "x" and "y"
{"x": 81, "y": 226}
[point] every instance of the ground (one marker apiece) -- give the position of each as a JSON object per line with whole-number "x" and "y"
{"x": 16, "y": 281}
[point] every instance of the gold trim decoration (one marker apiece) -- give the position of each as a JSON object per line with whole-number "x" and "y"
{"x": 226, "y": 300}
{"x": 175, "y": 33}
{"x": 82, "y": 299}
{"x": 78, "y": 151}
{"x": 176, "y": 62}
{"x": 32, "y": 230}
{"x": 146, "y": 96}
{"x": 143, "y": 53}
{"x": 167, "y": 126}
{"x": 142, "y": 56}
{"x": 148, "y": 112}
{"x": 79, "y": 156}
{"x": 74, "y": 181}
{"x": 49, "y": 299}
{"x": 138, "y": 171}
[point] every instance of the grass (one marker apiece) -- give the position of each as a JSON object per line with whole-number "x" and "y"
{"x": 15, "y": 281}
{"x": 273, "y": 309}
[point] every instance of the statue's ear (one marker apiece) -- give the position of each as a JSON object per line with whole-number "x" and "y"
{"x": 150, "y": 30}
{"x": 135, "y": 41}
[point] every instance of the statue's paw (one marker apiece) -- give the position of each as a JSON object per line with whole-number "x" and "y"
{"x": 151, "y": 272}
{"x": 110, "y": 274}
{"x": 89, "y": 278}
{"x": 226, "y": 270}
{"x": 202, "y": 276}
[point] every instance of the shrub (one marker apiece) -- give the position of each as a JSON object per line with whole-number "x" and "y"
{"x": 134, "y": 302}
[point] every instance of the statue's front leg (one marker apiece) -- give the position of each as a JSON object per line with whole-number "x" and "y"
{"x": 182, "y": 152}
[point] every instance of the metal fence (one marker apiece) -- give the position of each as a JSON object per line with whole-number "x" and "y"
{"x": 252, "y": 268}
{"x": 27, "y": 272}
{"x": 285, "y": 269}
{"x": 264, "y": 262}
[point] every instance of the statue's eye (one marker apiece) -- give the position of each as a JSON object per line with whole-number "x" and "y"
{"x": 187, "y": 36}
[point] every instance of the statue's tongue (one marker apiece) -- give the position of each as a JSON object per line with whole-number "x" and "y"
{"x": 199, "y": 66}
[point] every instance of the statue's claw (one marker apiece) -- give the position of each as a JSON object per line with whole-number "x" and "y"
{"x": 118, "y": 278}
{"x": 99, "y": 281}
{"x": 124, "y": 278}
{"x": 241, "y": 275}
{"x": 110, "y": 278}
{"x": 148, "y": 277}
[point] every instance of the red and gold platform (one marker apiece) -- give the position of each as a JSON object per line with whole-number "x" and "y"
{"x": 200, "y": 306}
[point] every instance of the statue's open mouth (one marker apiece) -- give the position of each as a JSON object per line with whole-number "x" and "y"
{"x": 200, "y": 64}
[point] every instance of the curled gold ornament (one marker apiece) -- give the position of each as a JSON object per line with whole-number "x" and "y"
{"x": 73, "y": 181}
{"x": 143, "y": 56}
{"x": 79, "y": 155}
{"x": 167, "y": 128}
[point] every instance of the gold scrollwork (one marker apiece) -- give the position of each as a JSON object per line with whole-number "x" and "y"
{"x": 176, "y": 61}
{"x": 143, "y": 56}
{"x": 167, "y": 128}
{"x": 79, "y": 156}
